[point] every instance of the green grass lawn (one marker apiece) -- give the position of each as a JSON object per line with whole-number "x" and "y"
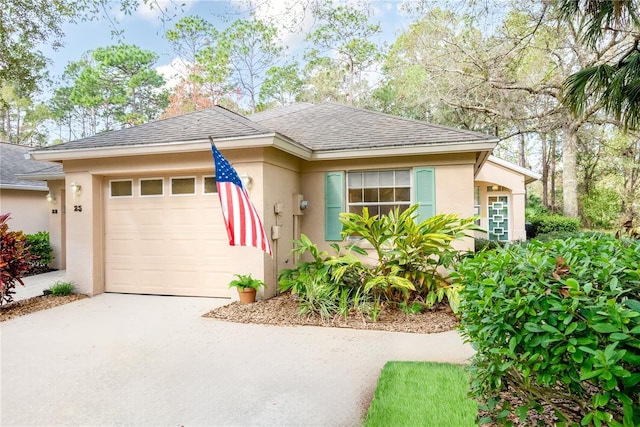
{"x": 422, "y": 394}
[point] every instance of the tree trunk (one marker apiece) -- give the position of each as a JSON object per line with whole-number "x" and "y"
{"x": 552, "y": 171}
{"x": 545, "y": 171}
{"x": 569, "y": 172}
{"x": 522, "y": 161}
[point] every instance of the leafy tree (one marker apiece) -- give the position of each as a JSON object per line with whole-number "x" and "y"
{"x": 612, "y": 82}
{"x": 251, "y": 47}
{"x": 343, "y": 49}
{"x": 281, "y": 85}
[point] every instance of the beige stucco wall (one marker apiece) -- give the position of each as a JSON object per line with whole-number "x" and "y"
{"x": 57, "y": 223}
{"x": 491, "y": 174}
{"x": 453, "y": 176}
{"x": 29, "y": 209}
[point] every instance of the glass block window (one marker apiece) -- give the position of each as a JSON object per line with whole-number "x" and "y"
{"x": 151, "y": 187}
{"x": 183, "y": 186}
{"x": 121, "y": 188}
{"x": 498, "y": 217}
{"x": 379, "y": 191}
{"x": 209, "y": 185}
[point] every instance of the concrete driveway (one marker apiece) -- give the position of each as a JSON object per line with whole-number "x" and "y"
{"x": 154, "y": 361}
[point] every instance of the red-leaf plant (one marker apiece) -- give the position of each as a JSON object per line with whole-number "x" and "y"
{"x": 15, "y": 259}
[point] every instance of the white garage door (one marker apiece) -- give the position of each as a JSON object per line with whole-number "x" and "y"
{"x": 165, "y": 235}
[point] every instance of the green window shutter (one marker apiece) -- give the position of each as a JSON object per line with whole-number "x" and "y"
{"x": 333, "y": 204}
{"x": 424, "y": 185}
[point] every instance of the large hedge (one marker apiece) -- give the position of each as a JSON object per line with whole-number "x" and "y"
{"x": 558, "y": 324}
{"x": 548, "y": 223}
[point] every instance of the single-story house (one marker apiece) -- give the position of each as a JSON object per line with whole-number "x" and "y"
{"x": 143, "y": 215}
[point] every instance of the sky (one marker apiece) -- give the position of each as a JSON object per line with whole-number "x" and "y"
{"x": 145, "y": 29}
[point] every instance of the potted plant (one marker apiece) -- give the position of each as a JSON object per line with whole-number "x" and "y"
{"x": 247, "y": 287}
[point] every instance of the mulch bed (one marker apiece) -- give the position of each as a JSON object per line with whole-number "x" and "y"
{"x": 283, "y": 310}
{"x": 30, "y": 305}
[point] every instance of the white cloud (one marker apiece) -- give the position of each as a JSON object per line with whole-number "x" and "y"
{"x": 291, "y": 17}
{"x": 173, "y": 72}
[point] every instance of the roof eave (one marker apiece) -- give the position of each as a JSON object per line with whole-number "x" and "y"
{"x": 439, "y": 148}
{"x": 41, "y": 176}
{"x": 23, "y": 187}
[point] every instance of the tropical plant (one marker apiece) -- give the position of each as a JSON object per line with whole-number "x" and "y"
{"x": 245, "y": 281}
{"x": 556, "y": 324}
{"x": 411, "y": 256}
{"x": 15, "y": 259}
{"x": 409, "y": 259}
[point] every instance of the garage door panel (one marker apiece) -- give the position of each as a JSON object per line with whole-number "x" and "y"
{"x": 169, "y": 245}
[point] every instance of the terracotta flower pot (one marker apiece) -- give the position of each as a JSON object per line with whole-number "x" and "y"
{"x": 247, "y": 295}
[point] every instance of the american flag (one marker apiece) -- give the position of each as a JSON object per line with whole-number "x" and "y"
{"x": 244, "y": 227}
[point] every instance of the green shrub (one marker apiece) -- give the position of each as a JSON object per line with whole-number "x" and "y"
{"x": 40, "y": 247}
{"x": 558, "y": 322}
{"x": 564, "y": 235}
{"x": 61, "y": 288}
{"x": 550, "y": 223}
{"x": 410, "y": 259}
{"x": 15, "y": 259}
{"x": 481, "y": 244}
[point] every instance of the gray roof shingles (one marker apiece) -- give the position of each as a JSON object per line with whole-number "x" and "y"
{"x": 330, "y": 126}
{"x": 216, "y": 122}
{"x": 319, "y": 127}
{"x": 13, "y": 162}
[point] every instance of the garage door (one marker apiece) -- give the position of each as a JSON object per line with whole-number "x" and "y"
{"x": 165, "y": 235}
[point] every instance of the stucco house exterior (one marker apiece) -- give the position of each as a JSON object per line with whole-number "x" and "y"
{"x": 143, "y": 215}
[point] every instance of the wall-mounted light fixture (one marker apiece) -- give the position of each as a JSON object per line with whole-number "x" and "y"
{"x": 51, "y": 199}
{"x": 76, "y": 189}
{"x": 304, "y": 204}
{"x": 247, "y": 181}
{"x": 495, "y": 187}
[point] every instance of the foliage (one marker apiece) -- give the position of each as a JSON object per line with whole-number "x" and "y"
{"x": 15, "y": 259}
{"x": 566, "y": 235}
{"x": 244, "y": 281}
{"x": 422, "y": 394}
{"x": 559, "y": 323}
{"x": 40, "y": 247}
{"x": 410, "y": 260}
{"x": 62, "y": 288}
{"x": 600, "y": 208}
{"x": 549, "y": 223}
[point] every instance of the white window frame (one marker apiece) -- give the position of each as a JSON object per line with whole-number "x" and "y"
{"x": 150, "y": 179}
{"x": 204, "y": 187}
{"x": 195, "y": 186}
{"x": 111, "y": 196}
{"x": 394, "y": 204}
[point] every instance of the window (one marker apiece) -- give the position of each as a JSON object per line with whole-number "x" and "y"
{"x": 209, "y": 185}
{"x": 476, "y": 203}
{"x": 121, "y": 188}
{"x": 498, "y": 217}
{"x": 183, "y": 186}
{"x": 151, "y": 187}
{"x": 379, "y": 191}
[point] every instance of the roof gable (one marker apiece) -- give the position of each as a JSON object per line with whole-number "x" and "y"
{"x": 330, "y": 126}
{"x": 216, "y": 122}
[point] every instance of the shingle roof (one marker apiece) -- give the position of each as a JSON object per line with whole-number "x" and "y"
{"x": 330, "y": 126}
{"x": 216, "y": 122}
{"x": 13, "y": 162}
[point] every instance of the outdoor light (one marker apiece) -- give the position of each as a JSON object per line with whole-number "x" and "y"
{"x": 247, "y": 181}
{"x": 495, "y": 187}
{"x": 75, "y": 189}
{"x": 51, "y": 199}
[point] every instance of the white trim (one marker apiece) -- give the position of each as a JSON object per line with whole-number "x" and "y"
{"x": 161, "y": 179}
{"x": 398, "y": 151}
{"x": 111, "y": 196}
{"x": 23, "y": 187}
{"x": 195, "y": 189}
